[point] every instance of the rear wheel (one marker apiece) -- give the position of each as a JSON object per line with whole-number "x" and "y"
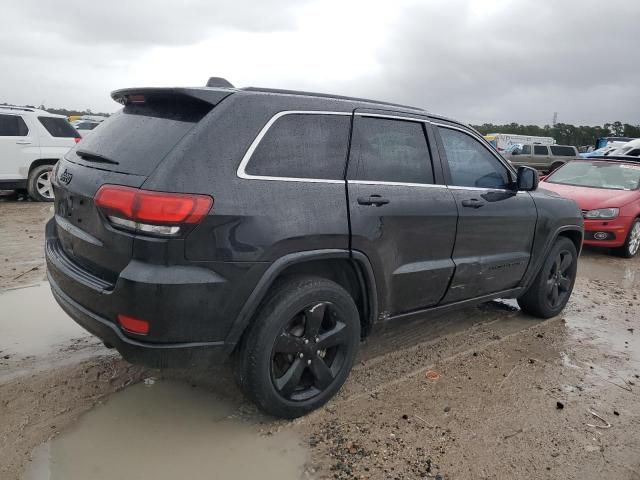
{"x": 300, "y": 348}
{"x": 39, "y": 184}
{"x": 552, "y": 287}
{"x": 632, "y": 243}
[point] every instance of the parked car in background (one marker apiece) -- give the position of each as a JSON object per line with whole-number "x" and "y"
{"x": 602, "y": 151}
{"x": 503, "y": 141}
{"x": 607, "y": 189}
{"x": 85, "y": 127}
{"x": 630, "y": 149}
{"x": 280, "y": 226}
{"x": 31, "y": 142}
{"x": 606, "y": 141}
{"x": 545, "y": 158}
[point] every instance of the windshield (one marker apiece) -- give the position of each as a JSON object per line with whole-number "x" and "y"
{"x": 614, "y": 176}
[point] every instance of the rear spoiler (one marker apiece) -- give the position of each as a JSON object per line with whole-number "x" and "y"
{"x": 212, "y": 96}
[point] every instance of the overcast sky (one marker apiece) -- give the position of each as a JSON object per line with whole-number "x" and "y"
{"x": 475, "y": 60}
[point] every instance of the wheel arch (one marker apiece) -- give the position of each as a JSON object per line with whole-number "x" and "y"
{"x": 41, "y": 161}
{"x": 351, "y": 270}
{"x": 575, "y": 233}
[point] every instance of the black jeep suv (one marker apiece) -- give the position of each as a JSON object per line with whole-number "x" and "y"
{"x": 278, "y": 227}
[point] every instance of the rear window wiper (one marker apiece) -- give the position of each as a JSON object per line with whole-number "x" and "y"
{"x": 94, "y": 157}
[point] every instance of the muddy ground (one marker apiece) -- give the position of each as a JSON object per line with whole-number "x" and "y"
{"x": 484, "y": 393}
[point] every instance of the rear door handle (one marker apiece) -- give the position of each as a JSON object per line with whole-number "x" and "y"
{"x": 23, "y": 142}
{"x": 376, "y": 200}
{"x": 472, "y": 203}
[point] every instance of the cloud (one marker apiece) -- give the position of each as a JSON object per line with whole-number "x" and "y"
{"x": 474, "y": 60}
{"x": 518, "y": 61}
{"x": 152, "y": 22}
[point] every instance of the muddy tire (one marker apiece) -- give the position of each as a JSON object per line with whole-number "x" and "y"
{"x": 552, "y": 287}
{"x": 39, "y": 184}
{"x": 300, "y": 348}
{"x": 632, "y": 243}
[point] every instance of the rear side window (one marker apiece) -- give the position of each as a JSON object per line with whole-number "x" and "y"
{"x": 389, "y": 151}
{"x": 562, "y": 151}
{"x": 540, "y": 150}
{"x": 470, "y": 163}
{"x": 303, "y": 146}
{"x": 12, "y": 126}
{"x": 58, "y": 127}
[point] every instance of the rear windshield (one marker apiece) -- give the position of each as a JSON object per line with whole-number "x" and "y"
{"x": 58, "y": 127}
{"x": 141, "y": 135}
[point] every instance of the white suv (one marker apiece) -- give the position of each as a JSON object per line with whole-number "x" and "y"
{"x": 31, "y": 142}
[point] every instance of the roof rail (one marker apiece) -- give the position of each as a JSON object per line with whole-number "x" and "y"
{"x": 15, "y": 107}
{"x": 330, "y": 96}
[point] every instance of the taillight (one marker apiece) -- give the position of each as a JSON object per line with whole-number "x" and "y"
{"x": 77, "y": 139}
{"x": 150, "y": 212}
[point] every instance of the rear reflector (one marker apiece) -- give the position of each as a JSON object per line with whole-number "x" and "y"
{"x": 133, "y": 325}
{"x": 151, "y": 212}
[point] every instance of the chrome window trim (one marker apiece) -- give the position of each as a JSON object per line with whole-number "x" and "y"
{"x": 397, "y": 184}
{"x": 241, "y": 171}
{"x": 392, "y": 117}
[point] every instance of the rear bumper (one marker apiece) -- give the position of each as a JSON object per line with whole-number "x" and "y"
{"x": 154, "y": 355}
{"x": 190, "y": 308}
{"x": 606, "y": 233}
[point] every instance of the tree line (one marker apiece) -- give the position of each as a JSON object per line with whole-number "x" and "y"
{"x": 564, "y": 133}
{"x": 63, "y": 111}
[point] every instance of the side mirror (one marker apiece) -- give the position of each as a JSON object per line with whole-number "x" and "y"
{"x": 528, "y": 179}
{"x": 515, "y": 152}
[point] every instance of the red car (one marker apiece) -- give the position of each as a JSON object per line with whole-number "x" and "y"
{"x": 608, "y": 192}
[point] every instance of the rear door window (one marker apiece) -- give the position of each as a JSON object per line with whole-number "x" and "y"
{"x": 303, "y": 145}
{"x": 12, "y": 126}
{"x": 540, "y": 150}
{"x": 389, "y": 151}
{"x": 470, "y": 163}
{"x": 58, "y": 127}
{"x": 562, "y": 151}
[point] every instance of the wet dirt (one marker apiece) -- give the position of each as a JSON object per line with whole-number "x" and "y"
{"x": 36, "y": 325}
{"x": 492, "y": 409}
{"x": 166, "y": 430}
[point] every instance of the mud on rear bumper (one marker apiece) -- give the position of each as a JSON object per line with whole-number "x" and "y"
{"x": 154, "y": 355}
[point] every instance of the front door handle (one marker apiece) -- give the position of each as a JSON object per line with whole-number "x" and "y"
{"x": 376, "y": 200}
{"x": 472, "y": 203}
{"x": 23, "y": 142}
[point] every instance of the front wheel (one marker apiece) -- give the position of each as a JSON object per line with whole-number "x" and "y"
{"x": 632, "y": 243}
{"x": 300, "y": 348}
{"x": 552, "y": 287}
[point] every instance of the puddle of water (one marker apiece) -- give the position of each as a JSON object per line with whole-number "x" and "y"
{"x": 600, "y": 265}
{"x": 32, "y": 323}
{"x": 166, "y": 430}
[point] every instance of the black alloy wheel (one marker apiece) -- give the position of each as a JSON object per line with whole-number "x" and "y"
{"x": 309, "y": 352}
{"x": 300, "y": 347}
{"x": 559, "y": 282}
{"x": 550, "y": 290}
